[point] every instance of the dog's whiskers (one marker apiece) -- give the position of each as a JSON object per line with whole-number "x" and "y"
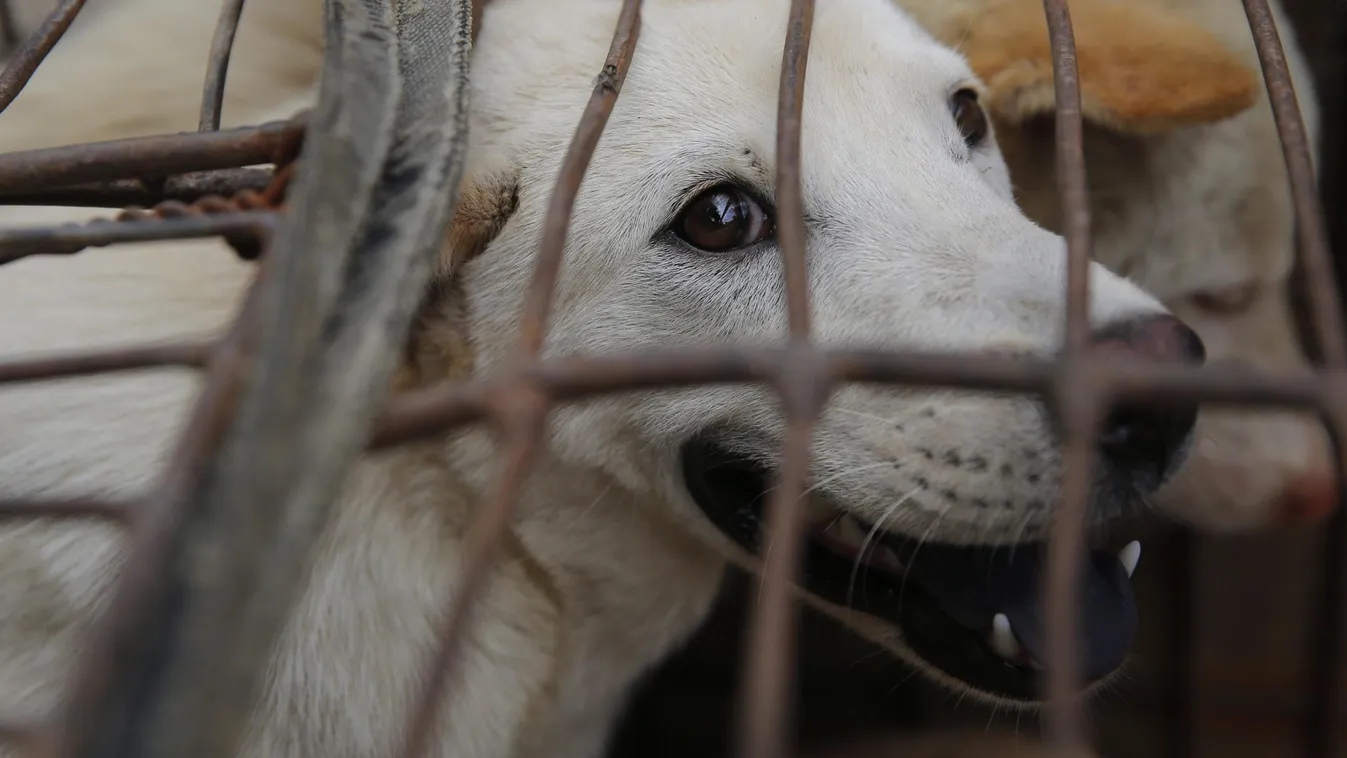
{"x": 869, "y": 538}
{"x": 1144, "y": 497}
{"x": 901, "y": 682}
{"x": 585, "y": 511}
{"x": 842, "y": 474}
{"x": 1019, "y": 533}
{"x": 902, "y": 586}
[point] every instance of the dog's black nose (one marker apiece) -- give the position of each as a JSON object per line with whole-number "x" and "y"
{"x": 1147, "y": 442}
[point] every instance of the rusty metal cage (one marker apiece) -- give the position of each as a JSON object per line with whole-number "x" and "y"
{"x": 206, "y": 184}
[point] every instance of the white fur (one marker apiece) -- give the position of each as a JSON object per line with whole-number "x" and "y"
{"x": 914, "y": 242}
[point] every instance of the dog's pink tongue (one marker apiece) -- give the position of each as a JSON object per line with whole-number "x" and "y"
{"x": 974, "y": 584}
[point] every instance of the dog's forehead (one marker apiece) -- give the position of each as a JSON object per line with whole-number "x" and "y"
{"x": 863, "y": 55}
{"x": 711, "y": 58}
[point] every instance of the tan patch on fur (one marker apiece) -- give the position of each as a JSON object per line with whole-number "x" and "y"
{"x": 1142, "y": 70}
{"x": 484, "y": 206}
{"x": 438, "y": 347}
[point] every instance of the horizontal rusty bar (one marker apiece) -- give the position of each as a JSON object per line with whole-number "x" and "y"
{"x": 150, "y": 157}
{"x": 486, "y": 537}
{"x": 119, "y": 193}
{"x": 77, "y": 508}
{"x": 430, "y": 411}
{"x": 67, "y": 239}
{"x": 84, "y": 363}
{"x": 31, "y": 54}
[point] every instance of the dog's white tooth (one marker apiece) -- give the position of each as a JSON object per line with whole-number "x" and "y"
{"x": 850, "y": 532}
{"x": 888, "y": 557}
{"x": 1002, "y": 640}
{"x": 1129, "y": 556}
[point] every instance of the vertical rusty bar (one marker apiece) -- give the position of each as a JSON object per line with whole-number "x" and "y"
{"x": 768, "y": 690}
{"x": 1079, "y": 409}
{"x": 217, "y": 68}
{"x": 1075, "y": 398}
{"x": 1071, "y": 181}
{"x": 791, "y": 232}
{"x": 533, "y": 322}
{"x": 521, "y": 411}
{"x": 31, "y": 54}
{"x": 1325, "y": 302}
{"x": 522, "y": 435}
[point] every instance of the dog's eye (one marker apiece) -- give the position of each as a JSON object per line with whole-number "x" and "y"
{"x": 1226, "y": 302}
{"x": 969, "y": 116}
{"x": 723, "y": 218}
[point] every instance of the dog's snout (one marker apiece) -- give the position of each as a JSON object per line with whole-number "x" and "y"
{"x": 1148, "y": 442}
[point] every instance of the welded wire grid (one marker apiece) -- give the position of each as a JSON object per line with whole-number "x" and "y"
{"x": 196, "y": 188}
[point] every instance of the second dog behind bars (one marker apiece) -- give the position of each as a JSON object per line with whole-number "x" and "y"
{"x": 626, "y": 523}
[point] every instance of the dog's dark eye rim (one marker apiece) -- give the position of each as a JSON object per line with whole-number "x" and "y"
{"x": 744, "y": 196}
{"x": 969, "y": 116}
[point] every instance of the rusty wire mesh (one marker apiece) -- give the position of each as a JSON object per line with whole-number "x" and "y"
{"x": 196, "y": 185}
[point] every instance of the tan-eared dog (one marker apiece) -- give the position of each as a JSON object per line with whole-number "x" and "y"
{"x": 915, "y": 239}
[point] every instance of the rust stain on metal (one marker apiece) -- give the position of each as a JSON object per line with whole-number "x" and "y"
{"x": 67, "y": 239}
{"x": 245, "y": 221}
{"x": 119, "y": 193}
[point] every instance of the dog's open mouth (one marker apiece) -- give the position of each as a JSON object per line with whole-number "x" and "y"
{"x": 973, "y": 612}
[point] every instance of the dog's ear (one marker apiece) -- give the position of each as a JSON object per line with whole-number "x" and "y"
{"x": 1143, "y": 70}
{"x": 438, "y": 347}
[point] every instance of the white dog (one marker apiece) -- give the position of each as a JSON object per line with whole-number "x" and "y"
{"x": 914, "y": 241}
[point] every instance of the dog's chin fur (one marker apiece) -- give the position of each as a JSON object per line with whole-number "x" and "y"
{"x": 915, "y": 241}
